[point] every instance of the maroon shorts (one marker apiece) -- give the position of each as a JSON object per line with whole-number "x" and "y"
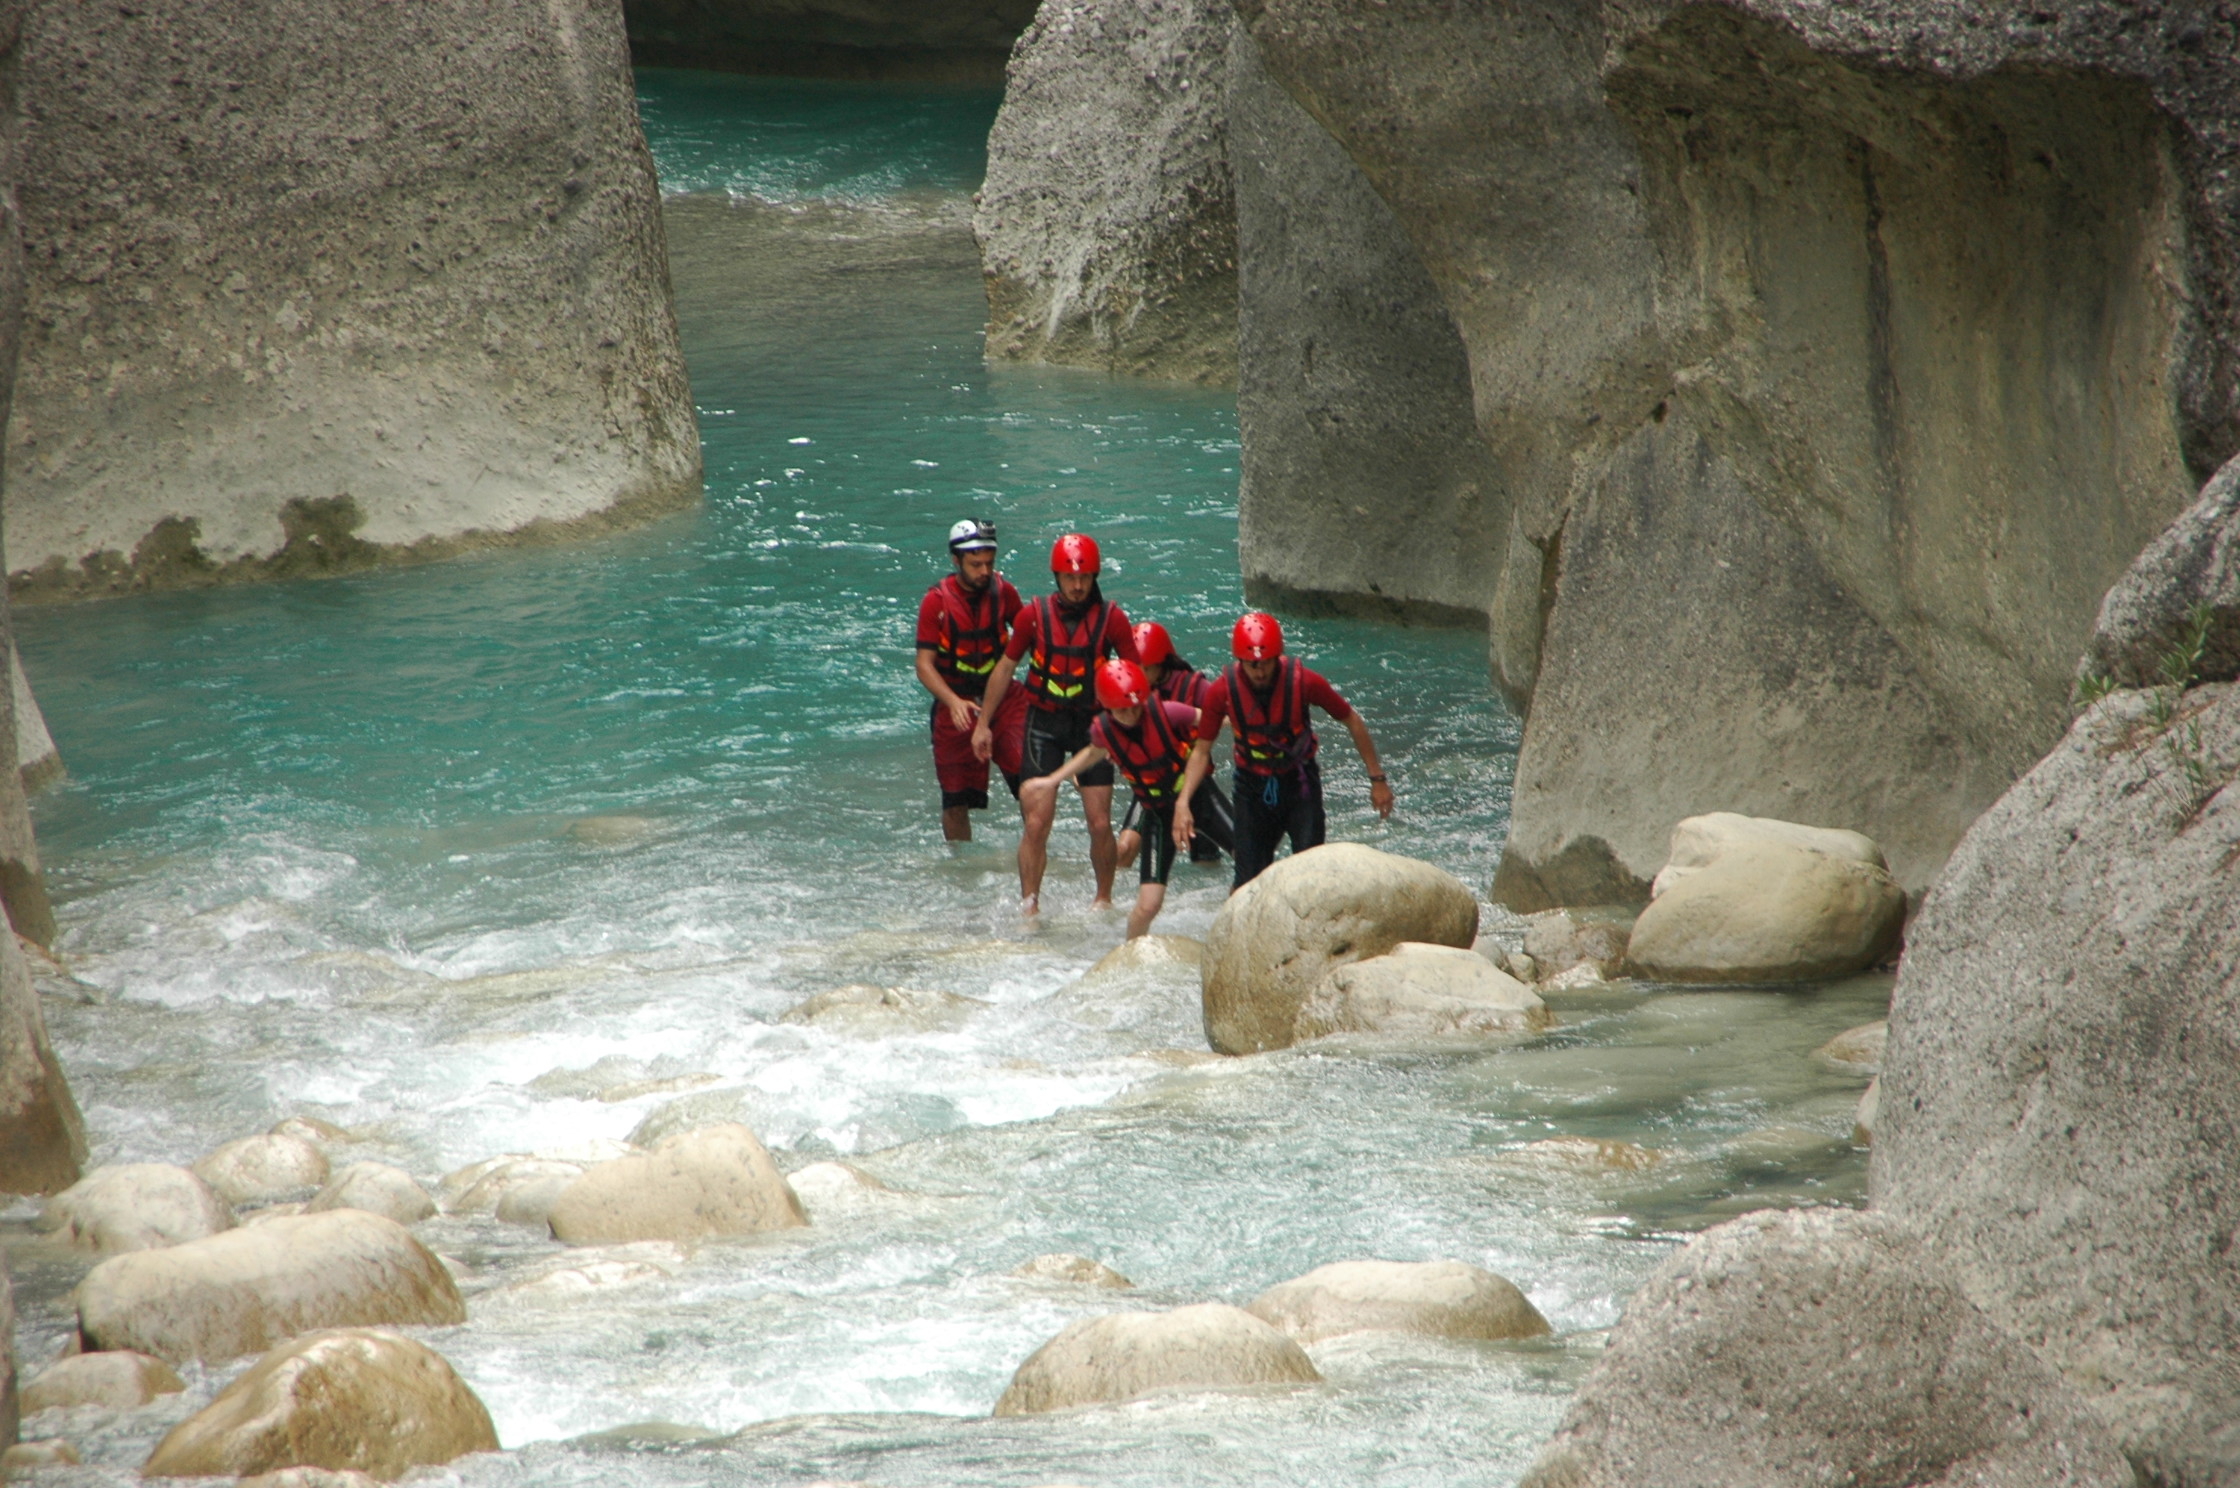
{"x": 964, "y": 777}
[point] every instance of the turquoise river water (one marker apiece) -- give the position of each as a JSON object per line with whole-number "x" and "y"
{"x": 529, "y": 852}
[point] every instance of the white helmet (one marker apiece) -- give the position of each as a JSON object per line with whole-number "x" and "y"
{"x": 972, "y": 535}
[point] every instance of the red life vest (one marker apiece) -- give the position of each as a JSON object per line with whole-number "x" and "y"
{"x": 1183, "y": 685}
{"x": 1274, "y": 736}
{"x": 1065, "y": 656}
{"x": 975, "y": 639}
{"x": 1152, "y": 757}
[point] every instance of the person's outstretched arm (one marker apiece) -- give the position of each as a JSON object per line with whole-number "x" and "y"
{"x": 1185, "y": 825}
{"x": 1087, "y": 758}
{"x": 1380, "y": 789}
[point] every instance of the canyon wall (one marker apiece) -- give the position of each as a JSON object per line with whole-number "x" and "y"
{"x": 950, "y": 42}
{"x": 1830, "y": 365}
{"x": 311, "y": 286}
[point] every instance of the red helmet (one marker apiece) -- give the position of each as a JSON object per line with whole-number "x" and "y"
{"x": 1121, "y": 684}
{"x": 1075, "y": 553}
{"x": 1154, "y": 647}
{"x": 1256, "y": 638}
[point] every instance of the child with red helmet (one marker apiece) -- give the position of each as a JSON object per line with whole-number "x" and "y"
{"x": 1148, "y": 738}
{"x": 1278, "y": 781}
{"x": 1063, "y": 636}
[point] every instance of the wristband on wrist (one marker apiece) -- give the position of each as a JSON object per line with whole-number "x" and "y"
{"x": 1376, "y": 780}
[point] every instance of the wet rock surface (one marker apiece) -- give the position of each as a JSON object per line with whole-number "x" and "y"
{"x": 1420, "y": 991}
{"x": 2061, "y": 1047}
{"x": 717, "y": 1180}
{"x": 1433, "y": 1299}
{"x": 1067, "y": 1267}
{"x": 377, "y": 1188}
{"x": 264, "y": 1169}
{"x": 244, "y": 1290}
{"x": 135, "y": 1206}
{"x": 1819, "y": 1346}
{"x": 1107, "y": 224}
{"x": 1122, "y": 1356}
{"x": 344, "y": 1400}
{"x": 117, "y": 1380}
{"x": 1276, "y": 939}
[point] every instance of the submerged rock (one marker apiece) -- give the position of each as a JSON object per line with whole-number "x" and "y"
{"x": 310, "y": 1477}
{"x": 1591, "y": 1155}
{"x": 2060, "y": 1103}
{"x": 1078, "y": 1269}
{"x": 1148, "y": 953}
{"x": 1416, "y": 990}
{"x": 1211, "y": 1346}
{"x": 352, "y": 1399}
{"x": 1276, "y": 938}
{"x": 1107, "y": 225}
{"x": 1856, "y": 1051}
{"x": 244, "y": 1290}
{"x": 1818, "y": 1346}
{"x": 117, "y": 1379}
{"x": 1434, "y": 1299}
{"x": 717, "y": 1180}
{"x": 31, "y": 1456}
{"x": 376, "y": 1188}
{"x": 833, "y": 1186}
{"x": 1559, "y": 939}
{"x": 879, "y": 1012}
{"x": 264, "y": 1169}
{"x": 1766, "y": 910}
{"x": 136, "y": 1206}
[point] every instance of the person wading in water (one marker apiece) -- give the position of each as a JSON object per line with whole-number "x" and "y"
{"x": 1278, "y": 784}
{"x": 1067, "y": 634}
{"x": 1148, "y": 737}
{"x": 962, "y": 624}
{"x": 1177, "y": 681}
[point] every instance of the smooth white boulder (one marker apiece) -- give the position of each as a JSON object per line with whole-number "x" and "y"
{"x": 1277, "y": 937}
{"x": 716, "y": 1180}
{"x": 242, "y": 1291}
{"x": 1769, "y": 912}
{"x": 265, "y": 1169}
{"x": 1698, "y": 841}
{"x": 347, "y": 1399}
{"x": 1433, "y": 1299}
{"x": 376, "y": 1188}
{"x": 116, "y": 1379}
{"x": 1416, "y": 990}
{"x": 1078, "y": 1270}
{"x": 1211, "y": 1346}
{"x": 494, "y": 1180}
{"x": 135, "y": 1206}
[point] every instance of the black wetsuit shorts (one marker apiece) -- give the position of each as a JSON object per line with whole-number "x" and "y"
{"x": 1053, "y": 738}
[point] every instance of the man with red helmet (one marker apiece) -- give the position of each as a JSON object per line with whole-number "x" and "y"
{"x": 1148, "y": 738}
{"x": 1278, "y": 783}
{"x": 1064, "y": 635}
{"x": 963, "y": 623}
{"x": 1177, "y": 681}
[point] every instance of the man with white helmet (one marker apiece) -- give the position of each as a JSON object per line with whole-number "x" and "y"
{"x": 963, "y": 624}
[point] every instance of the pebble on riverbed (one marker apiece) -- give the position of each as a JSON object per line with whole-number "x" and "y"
{"x": 1432, "y": 1299}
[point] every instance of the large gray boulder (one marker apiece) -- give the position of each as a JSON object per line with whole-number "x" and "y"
{"x": 1104, "y": 1360}
{"x": 957, "y": 41}
{"x": 1719, "y": 270}
{"x": 1107, "y": 227}
{"x": 42, "y": 1136}
{"x": 1819, "y": 1346}
{"x": 716, "y": 1180}
{"x": 350, "y": 1399}
{"x": 242, "y": 1291}
{"x": 1353, "y": 389}
{"x": 2188, "y": 576}
{"x": 314, "y": 284}
{"x": 1276, "y": 938}
{"x": 2060, "y": 1095}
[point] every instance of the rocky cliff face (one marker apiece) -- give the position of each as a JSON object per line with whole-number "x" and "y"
{"x": 311, "y": 286}
{"x": 1107, "y": 226}
{"x": 949, "y": 42}
{"x": 1831, "y": 361}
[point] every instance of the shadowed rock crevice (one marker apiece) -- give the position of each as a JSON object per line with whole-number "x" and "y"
{"x": 895, "y": 40}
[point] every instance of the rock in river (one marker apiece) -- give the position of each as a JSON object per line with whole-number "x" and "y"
{"x": 1818, "y": 1346}
{"x": 1856, "y": 1051}
{"x": 717, "y": 1180}
{"x": 1759, "y": 908}
{"x": 1416, "y": 990}
{"x": 118, "y": 1380}
{"x": 1559, "y": 939}
{"x": 244, "y": 1290}
{"x": 1148, "y": 953}
{"x": 1435, "y": 1299}
{"x": 264, "y": 1169}
{"x": 136, "y": 1206}
{"x": 1276, "y": 938}
{"x": 1080, "y": 1270}
{"x": 345, "y": 1399}
{"x": 1211, "y": 1346}
{"x": 376, "y": 1188}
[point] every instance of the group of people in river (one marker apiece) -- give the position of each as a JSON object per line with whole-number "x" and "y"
{"x": 1103, "y": 698}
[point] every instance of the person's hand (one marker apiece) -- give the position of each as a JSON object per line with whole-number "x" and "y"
{"x": 963, "y": 713}
{"x": 1380, "y": 796}
{"x": 983, "y": 742}
{"x": 1185, "y": 826}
